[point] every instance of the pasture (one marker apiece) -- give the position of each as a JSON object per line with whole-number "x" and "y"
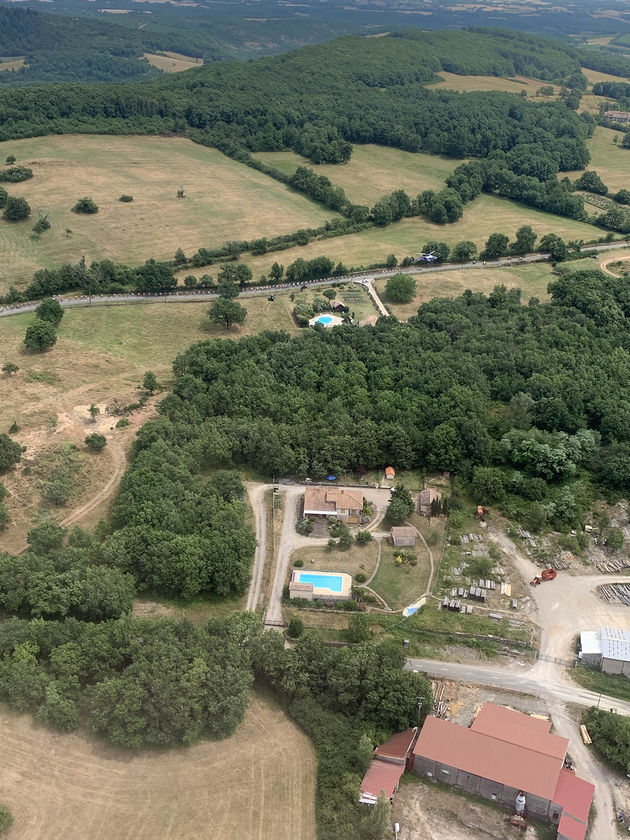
{"x": 532, "y": 280}
{"x": 172, "y": 62}
{"x": 608, "y": 159}
{"x": 374, "y": 171}
{"x": 11, "y": 62}
{"x": 485, "y": 215}
{"x": 463, "y": 84}
{"x": 258, "y": 784}
{"x": 224, "y": 200}
{"x": 100, "y": 356}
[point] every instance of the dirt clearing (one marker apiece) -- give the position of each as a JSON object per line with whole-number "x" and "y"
{"x": 259, "y": 784}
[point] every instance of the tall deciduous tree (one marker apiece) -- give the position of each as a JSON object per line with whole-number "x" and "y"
{"x": 227, "y": 312}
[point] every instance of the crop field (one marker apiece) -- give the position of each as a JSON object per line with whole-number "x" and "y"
{"x": 532, "y": 280}
{"x": 224, "y": 200}
{"x": 258, "y": 784}
{"x": 608, "y": 159}
{"x": 595, "y": 76}
{"x": 374, "y": 171}
{"x": 463, "y": 84}
{"x": 172, "y": 62}
{"x": 485, "y": 215}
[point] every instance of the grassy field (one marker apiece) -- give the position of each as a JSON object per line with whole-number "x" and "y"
{"x": 531, "y": 279}
{"x": 100, "y": 356}
{"x": 595, "y": 76}
{"x": 356, "y": 559}
{"x": 452, "y": 81}
{"x": 608, "y": 159}
{"x": 374, "y": 171}
{"x": 401, "y": 585}
{"x": 614, "y": 685}
{"x": 485, "y": 215}
{"x": 172, "y": 62}
{"x": 224, "y": 200}
{"x": 258, "y": 784}
{"x": 11, "y": 62}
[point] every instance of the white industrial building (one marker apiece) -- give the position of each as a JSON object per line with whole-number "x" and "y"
{"x": 607, "y": 649}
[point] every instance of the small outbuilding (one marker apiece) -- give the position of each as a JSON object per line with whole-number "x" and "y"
{"x": 390, "y": 761}
{"x": 426, "y": 499}
{"x": 390, "y": 473}
{"x": 403, "y": 535}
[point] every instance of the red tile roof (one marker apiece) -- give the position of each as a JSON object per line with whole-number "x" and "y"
{"x": 381, "y": 776}
{"x": 574, "y": 795}
{"x": 491, "y": 758}
{"x": 571, "y": 829}
{"x": 517, "y": 728}
{"x": 398, "y": 746}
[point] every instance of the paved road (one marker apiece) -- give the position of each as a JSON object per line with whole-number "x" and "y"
{"x": 364, "y": 278}
{"x": 526, "y": 682}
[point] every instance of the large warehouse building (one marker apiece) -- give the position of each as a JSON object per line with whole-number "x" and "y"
{"x": 505, "y": 754}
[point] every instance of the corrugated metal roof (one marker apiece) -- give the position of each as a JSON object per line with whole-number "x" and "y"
{"x": 591, "y": 641}
{"x": 516, "y": 728}
{"x": 574, "y": 794}
{"x": 571, "y": 829}
{"x": 381, "y": 776}
{"x": 491, "y": 758}
{"x": 615, "y": 643}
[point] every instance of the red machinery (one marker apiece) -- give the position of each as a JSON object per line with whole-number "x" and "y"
{"x": 546, "y": 574}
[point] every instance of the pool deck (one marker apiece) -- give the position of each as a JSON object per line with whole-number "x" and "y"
{"x": 308, "y": 589}
{"x": 334, "y": 321}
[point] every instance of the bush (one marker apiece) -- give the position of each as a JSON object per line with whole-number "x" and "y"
{"x": 305, "y": 527}
{"x": 360, "y": 577}
{"x": 15, "y": 174}
{"x": 6, "y": 818}
{"x": 85, "y": 205}
{"x": 296, "y": 627}
{"x": 363, "y": 537}
{"x": 16, "y": 209}
{"x": 122, "y": 423}
{"x": 40, "y": 335}
{"x": 298, "y": 563}
{"x": 126, "y": 198}
{"x": 96, "y": 441}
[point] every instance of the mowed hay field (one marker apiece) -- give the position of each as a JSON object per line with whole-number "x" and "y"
{"x": 374, "y": 171}
{"x": 608, "y": 159}
{"x": 224, "y": 200}
{"x": 463, "y": 84}
{"x": 257, "y": 785}
{"x": 532, "y": 280}
{"x": 485, "y": 215}
{"x": 172, "y": 62}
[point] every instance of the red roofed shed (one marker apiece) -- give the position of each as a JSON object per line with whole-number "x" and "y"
{"x": 382, "y": 776}
{"x": 574, "y": 795}
{"x": 570, "y": 829}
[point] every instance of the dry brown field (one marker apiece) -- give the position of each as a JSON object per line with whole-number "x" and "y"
{"x": 463, "y": 84}
{"x": 224, "y": 200}
{"x": 172, "y": 62}
{"x": 257, "y": 785}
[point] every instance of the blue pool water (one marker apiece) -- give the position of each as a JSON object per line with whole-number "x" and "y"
{"x": 324, "y": 319}
{"x": 332, "y": 582}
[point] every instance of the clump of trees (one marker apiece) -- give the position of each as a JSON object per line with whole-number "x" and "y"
{"x": 400, "y": 288}
{"x": 401, "y": 504}
{"x": 15, "y": 174}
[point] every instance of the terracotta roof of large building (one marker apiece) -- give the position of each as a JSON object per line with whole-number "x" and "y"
{"x": 516, "y": 728}
{"x": 381, "y": 776}
{"x": 398, "y": 745}
{"x": 574, "y": 794}
{"x": 570, "y": 828}
{"x": 331, "y": 499}
{"x": 491, "y": 758}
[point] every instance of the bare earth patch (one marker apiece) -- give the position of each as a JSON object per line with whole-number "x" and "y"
{"x": 257, "y": 785}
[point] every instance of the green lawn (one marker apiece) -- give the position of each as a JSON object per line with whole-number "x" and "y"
{"x": 356, "y": 559}
{"x": 401, "y": 585}
{"x": 224, "y": 200}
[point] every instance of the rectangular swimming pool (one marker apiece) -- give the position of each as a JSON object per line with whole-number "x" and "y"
{"x": 320, "y": 581}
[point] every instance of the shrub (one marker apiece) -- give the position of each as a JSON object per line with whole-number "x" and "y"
{"x": 96, "y": 441}
{"x": 15, "y": 174}
{"x": 85, "y": 205}
{"x": 6, "y": 818}
{"x": 16, "y": 209}
{"x": 298, "y": 563}
{"x": 305, "y": 527}
{"x": 126, "y": 198}
{"x": 296, "y": 627}
{"x": 122, "y": 423}
{"x": 363, "y": 537}
{"x": 360, "y": 577}
{"x": 4, "y": 195}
